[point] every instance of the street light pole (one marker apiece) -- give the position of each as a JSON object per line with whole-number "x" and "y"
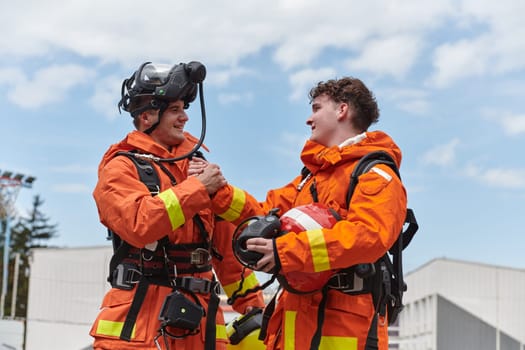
{"x": 9, "y": 186}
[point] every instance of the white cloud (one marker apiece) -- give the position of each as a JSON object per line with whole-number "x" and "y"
{"x": 377, "y": 36}
{"x": 413, "y": 101}
{"x": 227, "y": 98}
{"x": 10, "y": 75}
{"x": 72, "y": 188}
{"x": 392, "y": 56}
{"x": 491, "y": 49}
{"x": 460, "y": 60}
{"x": 220, "y": 32}
{"x": 305, "y": 79}
{"x": 513, "y": 124}
{"x": 289, "y": 145}
{"x": 49, "y": 85}
{"x": 77, "y": 168}
{"x": 222, "y": 77}
{"x": 442, "y": 155}
{"x": 498, "y": 177}
{"x": 106, "y": 96}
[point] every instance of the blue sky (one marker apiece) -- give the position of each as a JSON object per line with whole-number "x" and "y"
{"x": 449, "y": 77}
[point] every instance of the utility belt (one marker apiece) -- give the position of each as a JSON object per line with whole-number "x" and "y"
{"x": 376, "y": 279}
{"x": 358, "y": 279}
{"x": 126, "y": 275}
{"x": 171, "y": 266}
{"x": 189, "y": 258}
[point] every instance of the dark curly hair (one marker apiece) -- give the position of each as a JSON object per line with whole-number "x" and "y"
{"x": 354, "y": 92}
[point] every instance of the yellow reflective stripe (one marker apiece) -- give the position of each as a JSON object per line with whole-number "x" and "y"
{"x": 236, "y": 206}
{"x": 249, "y": 282}
{"x": 112, "y": 328}
{"x": 329, "y": 343}
{"x": 220, "y": 332}
{"x": 173, "y": 208}
{"x": 318, "y": 250}
{"x": 289, "y": 330}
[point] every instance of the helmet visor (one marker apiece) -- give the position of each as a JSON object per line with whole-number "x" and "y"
{"x": 152, "y": 75}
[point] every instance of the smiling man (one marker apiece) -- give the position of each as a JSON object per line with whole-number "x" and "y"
{"x": 169, "y": 248}
{"x": 348, "y": 311}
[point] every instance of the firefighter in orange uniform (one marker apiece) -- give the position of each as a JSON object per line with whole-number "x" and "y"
{"x": 169, "y": 246}
{"x": 336, "y": 316}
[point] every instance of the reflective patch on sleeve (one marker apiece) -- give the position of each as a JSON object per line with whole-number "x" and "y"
{"x": 318, "y": 250}
{"x": 220, "y": 332}
{"x": 236, "y": 206}
{"x": 173, "y": 208}
{"x": 382, "y": 173}
{"x": 249, "y": 282}
{"x": 112, "y": 328}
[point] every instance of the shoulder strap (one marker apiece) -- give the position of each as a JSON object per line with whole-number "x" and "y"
{"x": 148, "y": 175}
{"x": 364, "y": 165}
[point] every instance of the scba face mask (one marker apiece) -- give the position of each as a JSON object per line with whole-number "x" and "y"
{"x": 163, "y": 82}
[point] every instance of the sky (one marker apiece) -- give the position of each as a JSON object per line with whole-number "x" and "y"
{"x": 449, "y": 78}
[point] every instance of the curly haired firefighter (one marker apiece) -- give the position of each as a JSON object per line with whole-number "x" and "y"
{"x": 344, "y": 313}
{"x": 169, "y": 246}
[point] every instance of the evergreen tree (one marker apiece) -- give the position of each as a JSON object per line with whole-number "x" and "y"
{"x": 27, "y": 233}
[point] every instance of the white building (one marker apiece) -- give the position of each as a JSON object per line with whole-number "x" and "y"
{"x": 66, "y": 288}
{"x": 453, "y": 304}
{"x": 450, "y": 304}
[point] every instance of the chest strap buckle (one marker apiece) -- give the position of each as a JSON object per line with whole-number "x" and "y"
{"x": 347, "y": 282}
{"x": 200, "y": 257}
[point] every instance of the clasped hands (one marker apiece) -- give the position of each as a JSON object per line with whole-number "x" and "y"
{"x": 212, "y": 178}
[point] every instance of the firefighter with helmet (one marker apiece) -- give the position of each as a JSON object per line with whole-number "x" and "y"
{"x": 170, "y": 250}
{"x": 341, "y": 314}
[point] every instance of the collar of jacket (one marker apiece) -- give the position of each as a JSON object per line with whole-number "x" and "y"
{"x": 316, "y": 156}
{"x": 142, "y": 142}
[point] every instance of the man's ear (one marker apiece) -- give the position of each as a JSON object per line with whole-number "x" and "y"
{"x": 146, "y": 120}
{"x": 343, "y": 111}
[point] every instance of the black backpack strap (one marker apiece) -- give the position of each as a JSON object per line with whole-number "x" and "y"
{"x": 267, "y": 314}
{"x": 372, "y": 341}
{"x": 136, "y": 304}
{"x": 364, "y": 165}
{"x": 148, "y": 175}
{"x": 321, "y": 312}
{"x": 211, "y": 325}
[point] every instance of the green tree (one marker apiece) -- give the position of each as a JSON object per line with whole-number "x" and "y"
{"x": 28, "y": 232}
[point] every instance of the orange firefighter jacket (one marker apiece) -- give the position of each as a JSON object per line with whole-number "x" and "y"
{"x": 369, "y": 228}
{"x": 126, "y": 206}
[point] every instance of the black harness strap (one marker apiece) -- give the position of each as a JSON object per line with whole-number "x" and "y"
{"x": 150, "y": 178}
{"x": 316, "y": 339}
{"x": 267, "y": 314}
{"x": 372, "y": 341}
{"x": 136, "y": 304}
{"x": 364, "y": 165}
{"x": 211, "y": 327}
